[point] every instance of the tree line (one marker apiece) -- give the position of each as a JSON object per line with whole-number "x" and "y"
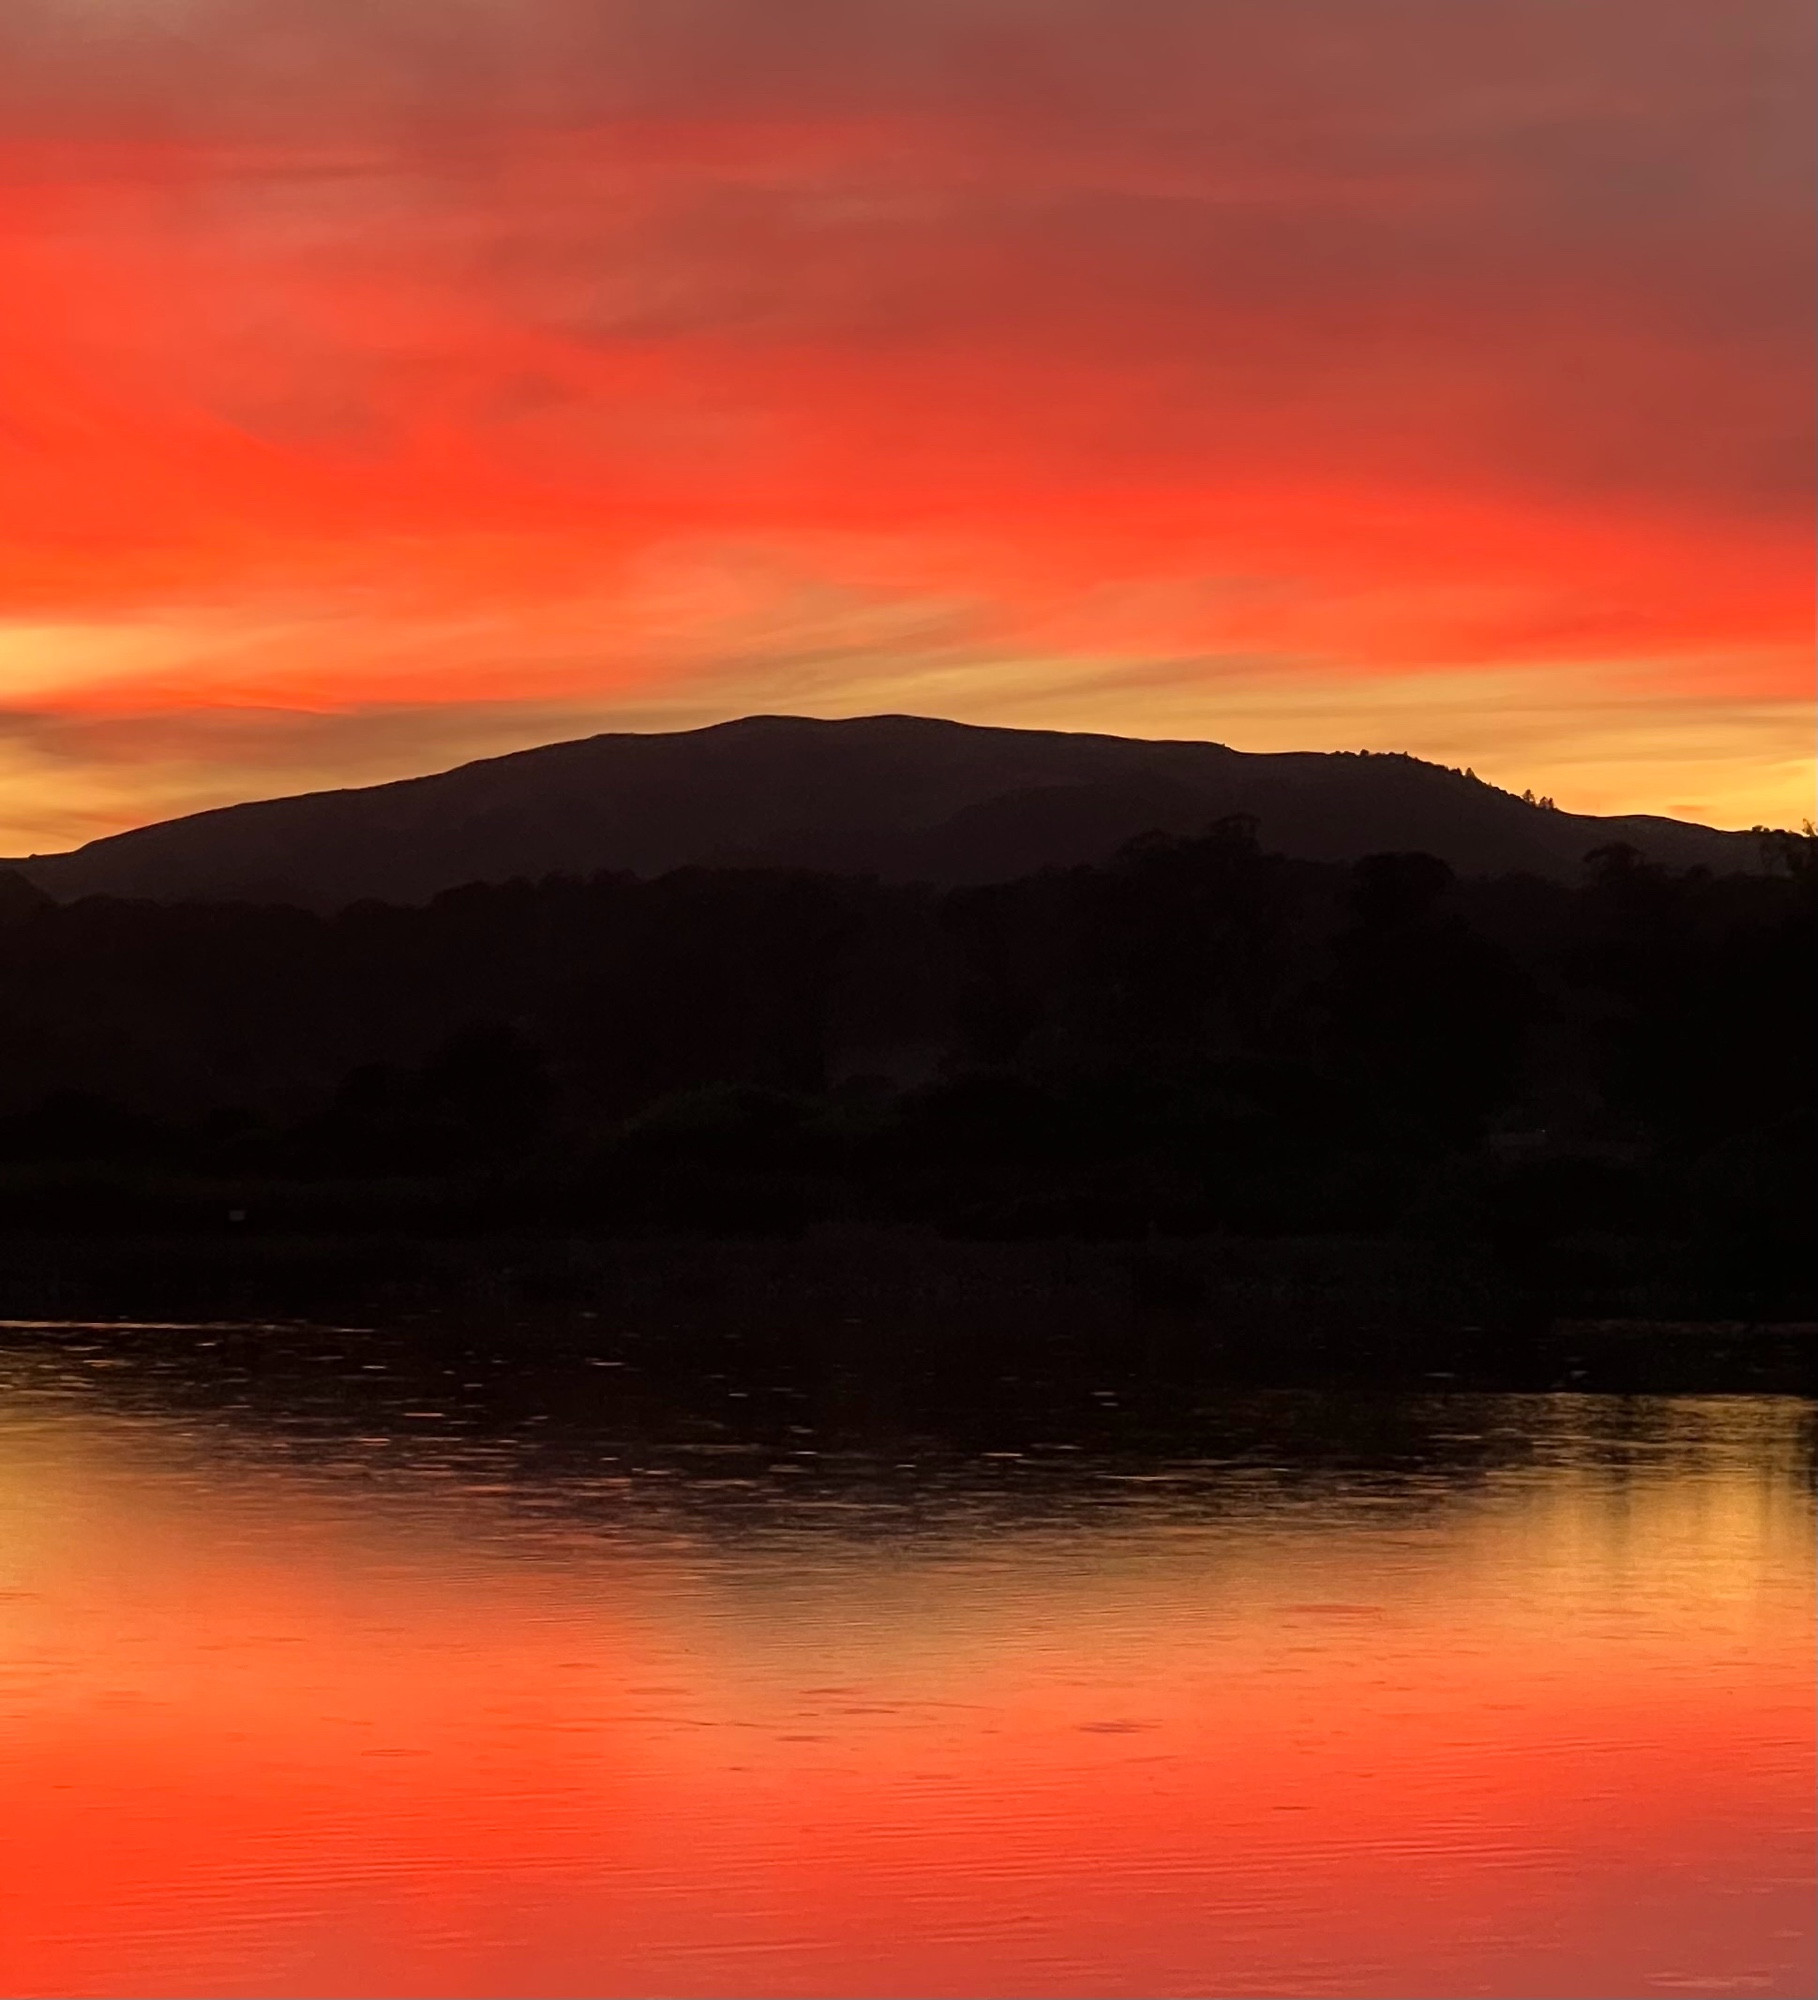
{"x": 1198, "y": 1036}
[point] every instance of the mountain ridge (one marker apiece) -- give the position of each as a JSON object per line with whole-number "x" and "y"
{"x": 902, "y": 797}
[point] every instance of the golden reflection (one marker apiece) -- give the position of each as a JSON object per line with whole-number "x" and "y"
{"x": 295, "y": 1722}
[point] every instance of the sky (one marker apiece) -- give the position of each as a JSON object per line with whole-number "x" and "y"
{"x": 390, "y": 382}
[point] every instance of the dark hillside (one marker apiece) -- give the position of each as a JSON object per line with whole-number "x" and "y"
{"x": 901, "y": 797}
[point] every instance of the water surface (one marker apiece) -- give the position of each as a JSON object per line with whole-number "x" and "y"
{"x": 338, "y": 1664}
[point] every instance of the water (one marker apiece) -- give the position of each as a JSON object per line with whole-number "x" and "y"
{"x": 338, "y": 1664}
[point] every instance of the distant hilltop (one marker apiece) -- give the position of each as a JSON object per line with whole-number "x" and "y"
{"x": 899, "y": 796}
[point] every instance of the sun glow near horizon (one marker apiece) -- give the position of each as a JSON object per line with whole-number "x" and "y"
{"x": 403, "y": 389}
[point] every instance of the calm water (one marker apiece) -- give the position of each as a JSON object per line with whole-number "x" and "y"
{"x": 332, "y": 1664}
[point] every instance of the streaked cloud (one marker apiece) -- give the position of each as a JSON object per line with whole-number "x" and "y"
{"x": 404, "y": 378}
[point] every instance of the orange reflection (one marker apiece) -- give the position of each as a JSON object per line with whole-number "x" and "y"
{"x": 286, "y": 1735}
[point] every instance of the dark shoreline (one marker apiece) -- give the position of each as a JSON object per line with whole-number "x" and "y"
{"x": 1337, "y": 1310}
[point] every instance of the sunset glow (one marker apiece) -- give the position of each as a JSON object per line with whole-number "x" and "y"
{"x": 383, "y": 385}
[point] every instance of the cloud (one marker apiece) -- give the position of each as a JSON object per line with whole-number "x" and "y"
{"x": 433, "y": 353}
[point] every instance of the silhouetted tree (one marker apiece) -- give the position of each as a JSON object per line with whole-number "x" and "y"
{"x": 1424, "y": 1012}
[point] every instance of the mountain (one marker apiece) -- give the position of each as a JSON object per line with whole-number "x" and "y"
{"x": 904, "y": 797}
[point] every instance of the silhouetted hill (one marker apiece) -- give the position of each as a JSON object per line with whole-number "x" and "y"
{"x": 903, "y": 797}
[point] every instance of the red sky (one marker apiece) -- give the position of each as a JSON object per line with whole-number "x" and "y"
{"x": 389, "y": 381}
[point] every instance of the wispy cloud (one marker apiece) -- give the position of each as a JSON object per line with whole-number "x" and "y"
{"x": 430, "y": 359}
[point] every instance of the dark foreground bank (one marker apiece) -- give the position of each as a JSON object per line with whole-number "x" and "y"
{"x": 960, "y": 1320}
{"x": 1263, "y": 1114}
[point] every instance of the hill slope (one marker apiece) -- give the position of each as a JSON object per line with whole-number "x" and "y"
{"x": 900, "y": 796}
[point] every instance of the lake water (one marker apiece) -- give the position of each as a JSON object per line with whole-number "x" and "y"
{"x": 338, "y": 1664}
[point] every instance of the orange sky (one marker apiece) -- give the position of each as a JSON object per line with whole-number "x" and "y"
{"x": 391, "y": 382}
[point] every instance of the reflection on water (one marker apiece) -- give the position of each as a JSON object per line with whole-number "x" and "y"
{"x": 334, "y": 1664}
